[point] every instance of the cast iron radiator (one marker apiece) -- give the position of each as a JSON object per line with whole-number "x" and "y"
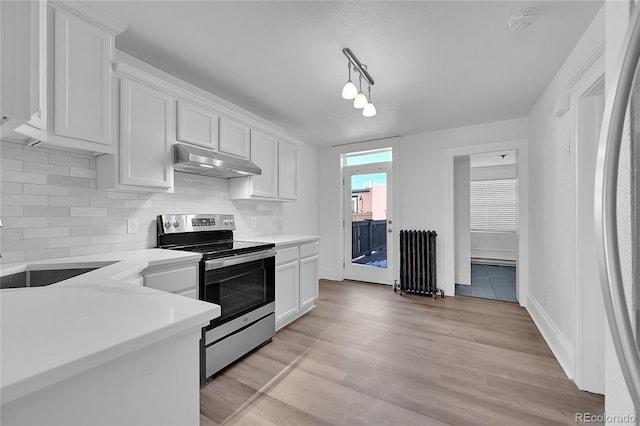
{"x": 418, "y": 262}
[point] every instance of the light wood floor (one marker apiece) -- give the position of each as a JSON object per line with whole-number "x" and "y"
{"x": 367, "y": 356}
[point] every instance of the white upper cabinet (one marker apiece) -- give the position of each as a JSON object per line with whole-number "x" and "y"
{"x": 145, "y": 129}
{"x": 234, "y": 138}
{"x": 287, "y": 171}
{"x": 264, "y": 154}
{"x": 71, "y": 77}
{"x": 82, "y": 87}
{"x": 197, "y": 125}
{"x": 15, "y": 32}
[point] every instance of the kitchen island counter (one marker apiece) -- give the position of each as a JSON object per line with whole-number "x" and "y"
{"x": 53, "y": 334}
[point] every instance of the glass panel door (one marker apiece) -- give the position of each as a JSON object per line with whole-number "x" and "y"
{"x": 368, "y": 225}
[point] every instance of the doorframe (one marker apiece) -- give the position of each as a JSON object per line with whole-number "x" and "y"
{"x": 337, "y": 153}
{"x": 583, "y": 83}
{"x": 522, "y": 262}
{"x": 372, "y": 168}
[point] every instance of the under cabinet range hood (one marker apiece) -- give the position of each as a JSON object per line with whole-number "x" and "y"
{"x": 201, "y": 161}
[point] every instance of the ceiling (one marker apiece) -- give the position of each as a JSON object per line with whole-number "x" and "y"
{"x": 436, "y": 64}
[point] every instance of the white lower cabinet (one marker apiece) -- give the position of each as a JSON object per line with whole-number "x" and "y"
{"x": 287, "y": 285}
{"x": 178, "y": 278}
{"x": 296, "y": 281}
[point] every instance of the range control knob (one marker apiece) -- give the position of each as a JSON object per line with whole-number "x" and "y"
{"x": 168, "y": 224}
{"x": 176, "y": 224}
{"x": 226, "y": 222}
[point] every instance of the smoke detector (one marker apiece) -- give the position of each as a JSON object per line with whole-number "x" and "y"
{"x": 522, "y": 19}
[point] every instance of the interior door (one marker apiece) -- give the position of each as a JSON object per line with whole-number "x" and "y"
{"x": 368, "y": 228}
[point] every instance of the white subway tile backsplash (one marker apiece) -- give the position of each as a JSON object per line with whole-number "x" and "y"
{"x": 69, "y": 201}
{"x": 45, "y": 253}
{"x": 83, "y": 250}
{"x": 69, "y": 221}
{"x": 18, "y": 152}
{"x": 6, "y": 211}
{"x": 86, "y": 173}
{"x": 47, "y": 211}
{"x": 68, "y": 181}
{"x": 49, "y": 169}
{"x": 46, "y": 190}
{"x": 23, "y": 222}
{"x": 88, "y": 211}
{"x": 69, "y": 161}
{"x": 11, "y": 188}
{"x": 69, "y": 242}
{"x": 10, "y": 164}
{"x": 50, "y": 207}
{"x": 46, "y": 233}
{"x": 18, "y": 176}
{"x": 23, "y": 200}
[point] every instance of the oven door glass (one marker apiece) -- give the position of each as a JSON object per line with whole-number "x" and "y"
{"x": 239, "y": 289}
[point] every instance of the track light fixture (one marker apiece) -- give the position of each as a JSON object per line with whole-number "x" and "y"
{"x": 349, "y": 91}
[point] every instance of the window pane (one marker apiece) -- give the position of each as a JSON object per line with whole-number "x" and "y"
{"x": 369, "y": 157}
{"x": 494, "y": 205}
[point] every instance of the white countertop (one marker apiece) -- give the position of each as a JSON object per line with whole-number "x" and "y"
{"x": 52, "y": 333}
{"x": 283, "y": 239}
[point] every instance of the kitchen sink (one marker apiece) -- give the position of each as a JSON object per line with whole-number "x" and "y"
{"x": 43, "y": 275}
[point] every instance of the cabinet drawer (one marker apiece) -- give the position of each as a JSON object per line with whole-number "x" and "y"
{"x": 179, "y": 280}
{"x": 307, "y": 250}
{"x": 286, "y": 255}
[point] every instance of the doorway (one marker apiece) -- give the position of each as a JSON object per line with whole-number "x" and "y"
{"x": 590, "y": 316}
{"x": 368, "y": 246}
{"x": 486, "y": 225}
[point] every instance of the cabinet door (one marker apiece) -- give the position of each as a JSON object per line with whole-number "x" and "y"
{"x": 145, "y": 150}
{"x": 308, "y": 281}
{"x": 287, "y": 171}
{"x": 197, "y": 125}
{"x": 234, "y": 138}
{"x": 15, "y": 76}
{"x": 82, "y": 83}
{"x": 287, "y": 290}
{"x": 264, "y": 153}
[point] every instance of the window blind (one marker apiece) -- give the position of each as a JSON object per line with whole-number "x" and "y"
{"x": 494, "y": 205}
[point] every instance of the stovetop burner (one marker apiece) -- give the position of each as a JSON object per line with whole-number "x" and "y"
{"x": 211, "y": 235}
{"x": 223, "y": 248}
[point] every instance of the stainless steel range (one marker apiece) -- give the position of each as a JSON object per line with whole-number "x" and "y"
{"x": 237, "y": 275}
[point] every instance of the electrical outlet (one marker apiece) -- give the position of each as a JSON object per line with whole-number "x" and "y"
{"x": 254, "y": 223}
{"x": 132, "y": 225}
{"x": 546, "y": 299}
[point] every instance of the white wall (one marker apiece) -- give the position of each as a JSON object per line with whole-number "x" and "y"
{"x": 552, "y": 195}
{"x": 422, "y": 192}
{"x": 461, "y": 205}
{"x": 50, "y": 206}
{"x": 494, "y": 245}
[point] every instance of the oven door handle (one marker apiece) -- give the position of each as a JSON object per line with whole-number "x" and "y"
{"x": 236, "y": 260}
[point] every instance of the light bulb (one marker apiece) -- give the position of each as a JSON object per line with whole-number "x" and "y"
{"x": 360, "y": 101}
{"x": 369, "y": 110}
{"x": 349, "y": 91}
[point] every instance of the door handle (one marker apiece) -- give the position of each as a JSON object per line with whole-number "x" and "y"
{"x": 605, "y": 210}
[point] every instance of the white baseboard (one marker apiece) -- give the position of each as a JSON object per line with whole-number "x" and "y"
{"x": 499, "y": 254}
{"x": 559, "y": 344}
{"x": 330, "y": 274}
{"x": 463, "y": 279}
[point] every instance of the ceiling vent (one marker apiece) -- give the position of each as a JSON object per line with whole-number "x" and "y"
{"x": 522, "y": 19}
